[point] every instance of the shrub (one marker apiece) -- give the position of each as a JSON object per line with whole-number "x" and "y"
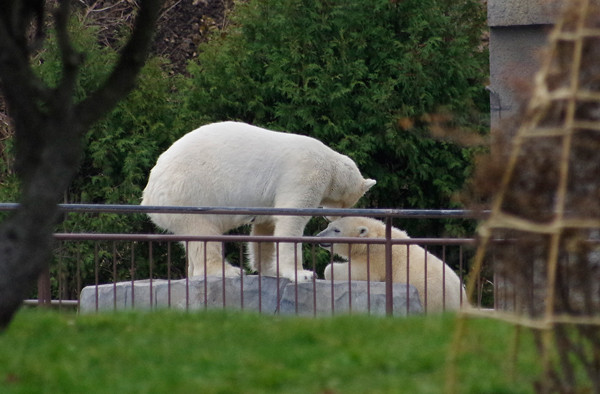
{"x": 361, "y": 76}
{"x": 119, "y": 152}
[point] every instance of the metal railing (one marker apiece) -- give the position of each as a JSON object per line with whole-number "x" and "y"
{"x": 116, "y": 258}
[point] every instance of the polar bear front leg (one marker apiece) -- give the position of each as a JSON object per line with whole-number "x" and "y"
{"x": 288, "y": 256}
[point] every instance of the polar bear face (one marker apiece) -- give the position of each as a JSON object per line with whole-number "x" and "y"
{"x": 347, "y": 185}
{"x": 351, "y": 227}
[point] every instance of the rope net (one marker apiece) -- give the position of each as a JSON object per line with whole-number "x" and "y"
{"x": 543, "y": 233}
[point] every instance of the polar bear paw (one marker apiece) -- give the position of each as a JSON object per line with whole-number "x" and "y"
{"x": 232, "y": 272}
{"x": 327, "y": 272}
{"x": 301, "y": 275}
{"x": 337, "y": 271}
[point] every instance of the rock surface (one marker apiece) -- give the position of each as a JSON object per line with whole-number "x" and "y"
{"x": 253, "y": 293}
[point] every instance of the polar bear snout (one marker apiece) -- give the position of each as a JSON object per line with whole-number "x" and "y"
{"x": 328, "y": 232}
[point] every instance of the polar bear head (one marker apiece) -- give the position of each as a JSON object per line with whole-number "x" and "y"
{"x": 347, "y": 185}
{"x": 351, "y": 227}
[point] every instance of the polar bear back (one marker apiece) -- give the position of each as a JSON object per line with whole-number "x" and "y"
{"x": 439, "y": 286}
{"x": 235, "y": 164}
{"x": 216, "y": 165}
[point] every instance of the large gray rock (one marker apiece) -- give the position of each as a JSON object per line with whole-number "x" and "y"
{"x": 354, "y": 297}
{"x": 255, "y": 293}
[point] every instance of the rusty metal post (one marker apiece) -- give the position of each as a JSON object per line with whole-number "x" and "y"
{"x": 44, "y": 296}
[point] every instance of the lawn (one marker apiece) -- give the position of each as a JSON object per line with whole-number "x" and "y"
{"x": 231, "y": 352}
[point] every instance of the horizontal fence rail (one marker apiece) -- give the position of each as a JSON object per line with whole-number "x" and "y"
{"x": 393, "y": 213}
{"x": 142, "y": 257}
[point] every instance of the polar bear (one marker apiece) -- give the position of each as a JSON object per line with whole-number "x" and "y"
{"x": 441, "y": 279}
{"x": 232, "y": 164}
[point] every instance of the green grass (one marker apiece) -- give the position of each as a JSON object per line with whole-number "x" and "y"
{"x": 230, "y": 352}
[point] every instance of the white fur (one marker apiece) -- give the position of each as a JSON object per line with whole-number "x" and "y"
{"x": 238, "y": 165}
{"x": 440, "y": 276}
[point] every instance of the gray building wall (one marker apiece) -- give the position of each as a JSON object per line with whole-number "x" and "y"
{"x": 518, "y": 30}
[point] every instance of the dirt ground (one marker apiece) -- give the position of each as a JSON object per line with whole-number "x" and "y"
{"x": 182, "y": 25}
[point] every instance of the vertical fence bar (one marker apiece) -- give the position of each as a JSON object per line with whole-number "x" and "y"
{"x": 205, "y": 277}
{"x": 96, "y": 280}
{"x": 408, "y": 281}
{"x": 150, "y": 268}
{"x": 479, "y": 288}
{"x": 44, "y": 296}
{"x": 389, "y": 296}
{"x": 259, "y": 268}
{"x": 462, "y": 266}
{"x": 241, "y": 257}
{"x": 369, "y": 279}
{"x": 78, "y": 269}
{"x": 460, "y": 271}
{"x": 61, "y": 278}
{"x": 223, "y": 278}
{"x": 169, "y": 274}
{"x": 444, "y": 278}
{"x": 296, "y": 277}
{"x": 187, "y": 279}
{"x": 349, "y": 278}
{"x": 314, "y": 280}
{"x": 426, "y": 291}
{"x": 332, "y": 276}
{"x": 278, "y": 308}
{"x": 223, "y": 274}
{"x": 114, "y": 272}
{"x": 496, "y": 279}
{"x": 132, "y": 275}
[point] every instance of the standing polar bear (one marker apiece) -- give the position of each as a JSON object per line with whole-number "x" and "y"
{"x": 441, "y": 279}
{"x": 231, "y": 164}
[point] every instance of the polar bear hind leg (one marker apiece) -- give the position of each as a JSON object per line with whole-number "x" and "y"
{"x": 206, "y": 258}
{"x": 262, "y": 254}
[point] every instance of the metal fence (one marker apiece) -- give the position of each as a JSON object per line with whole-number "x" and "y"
{"x": 116, "y": 271}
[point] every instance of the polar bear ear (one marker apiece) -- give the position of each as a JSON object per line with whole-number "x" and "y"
{"x": 368, "y": 183}
{"x": 363, "y": 231}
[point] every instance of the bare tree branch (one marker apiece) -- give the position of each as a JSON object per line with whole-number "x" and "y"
{"x": 123, "y": 77}
{"x": 70, "y": 58}
{"x": 48, "y": 131}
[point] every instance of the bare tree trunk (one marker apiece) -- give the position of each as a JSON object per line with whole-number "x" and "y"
{"x": 49, "y": 128}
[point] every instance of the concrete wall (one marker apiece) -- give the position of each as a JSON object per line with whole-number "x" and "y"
{"x": 518, "y": 30}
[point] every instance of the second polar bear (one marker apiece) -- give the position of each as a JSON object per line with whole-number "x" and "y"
{"x": 441, "y": 279}
{"x": 231, "y": 164}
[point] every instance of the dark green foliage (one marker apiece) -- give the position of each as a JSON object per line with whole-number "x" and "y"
{"x": 119, "y": 152}
{"x": 121, "y": 148}
{"x": 361, "y": 76}
{"x": 351, "y": 74}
